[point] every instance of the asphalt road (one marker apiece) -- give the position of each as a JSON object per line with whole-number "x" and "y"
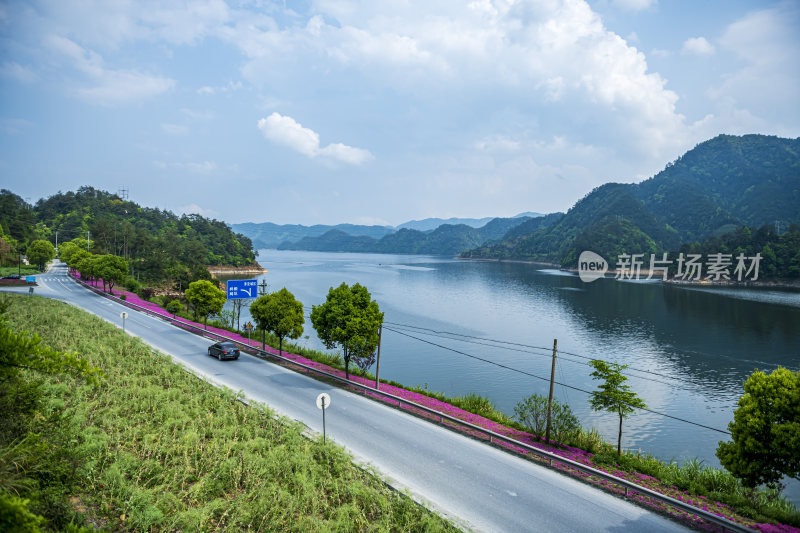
{"x": 479, "y": 487}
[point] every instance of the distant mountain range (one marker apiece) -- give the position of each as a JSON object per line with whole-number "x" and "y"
{"x": 446, "y": 239}
{"x": 269, "y": 235}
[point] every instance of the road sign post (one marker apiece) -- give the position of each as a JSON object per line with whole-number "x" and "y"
{"x": 123, "y": 315}
{"x": 239, "y": 289}
{"x": 323, "y": 402}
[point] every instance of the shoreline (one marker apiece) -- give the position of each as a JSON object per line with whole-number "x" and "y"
{"x": 223, "y": 270}
{"x": 782, "y": 284}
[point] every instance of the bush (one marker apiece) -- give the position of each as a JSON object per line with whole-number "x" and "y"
{"x": 146, "y": 292}
{"x": 123, "y": 296}
{"x": 174, "y": 307}
{"x": 132, "y": 285}
{"x": 532, "y": 413}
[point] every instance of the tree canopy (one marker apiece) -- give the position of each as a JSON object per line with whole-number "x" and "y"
{"x": 158, "y": 245}
{"x": 40, "y": 252}
{"x": 205, "y": 298}
{"x": 765, "y": 430}
{"x": 112, "y": 268}
{"x": 613, "y": 395}
{"x": 349, "y": 318}
{"x": 279, "y": 313}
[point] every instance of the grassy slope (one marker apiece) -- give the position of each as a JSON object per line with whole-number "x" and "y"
{"x": 164, "y": 450}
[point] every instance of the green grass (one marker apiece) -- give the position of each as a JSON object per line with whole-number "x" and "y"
{"x": 25, "y": 270}
{"x": 163, "y": 450}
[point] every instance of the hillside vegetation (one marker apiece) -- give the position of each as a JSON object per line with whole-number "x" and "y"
{"x": 153, "y": 448}
{"x": 157, "y": 244}
{"x": 720, "y": 186}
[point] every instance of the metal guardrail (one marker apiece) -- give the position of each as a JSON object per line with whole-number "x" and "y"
{"x": 630, "y": 487}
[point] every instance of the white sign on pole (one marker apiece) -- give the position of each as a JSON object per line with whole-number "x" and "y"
{"x": 323, "y": 401}
{"x": 123, "y": 315}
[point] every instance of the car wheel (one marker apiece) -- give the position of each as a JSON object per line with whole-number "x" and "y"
{"x": 209, "y": 352}
{"x": 219, "y": 356}
{"x": 235, "y": 358}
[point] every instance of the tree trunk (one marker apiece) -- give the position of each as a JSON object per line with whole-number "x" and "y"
{"x": 264, "y": 340}
{"x": 619, "y": 439}
{"x": 346, "y": 365}
{"x": 280, "y": 346}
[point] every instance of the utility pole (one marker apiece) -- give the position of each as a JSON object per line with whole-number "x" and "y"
{"x": 550, "y": 399}
{"x": 378, "y": 369}
{"x": 262, "y": 288}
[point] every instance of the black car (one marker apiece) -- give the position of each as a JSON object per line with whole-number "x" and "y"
{"x": 224, "y": 350}
{"x": 12, "y": 276}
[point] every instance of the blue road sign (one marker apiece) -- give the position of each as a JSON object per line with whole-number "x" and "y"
{"x": 242, "y": 288}
{"x": 30, "y": 279}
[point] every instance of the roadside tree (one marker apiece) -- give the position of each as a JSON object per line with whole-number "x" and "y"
{"x": 279, "y": 313}
{"x": 349, "y": 319}
{"x": 765, "y": 430}
{"x": 76, "y": 257}
{"x": 65, "y": 251}
{"x": 113, "y": 269}
{"x": 87, "y": 267}
{"x": 613, "y": 395}
{"x": 40, "y": 253}
{"x": 205, "y": 298}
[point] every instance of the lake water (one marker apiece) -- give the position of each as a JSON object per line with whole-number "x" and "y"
{"x": 689, "y": 349}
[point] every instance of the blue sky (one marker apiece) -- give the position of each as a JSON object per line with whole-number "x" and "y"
{"x": 336, "y": 111}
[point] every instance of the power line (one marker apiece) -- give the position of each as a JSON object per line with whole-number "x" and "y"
{"x": 548, "y": 355}
{"x": 558, "y": 383}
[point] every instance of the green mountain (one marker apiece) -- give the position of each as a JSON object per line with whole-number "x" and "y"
{"x": 719, "y": 185}
{"x": 269, "y": 235}
{"x": 157, "y": 244}
{"x": 447, "y": 239}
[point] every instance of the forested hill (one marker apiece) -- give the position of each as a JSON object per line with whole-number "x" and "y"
{"x": 157, "y": 243}
{"x": 720, "y": 185}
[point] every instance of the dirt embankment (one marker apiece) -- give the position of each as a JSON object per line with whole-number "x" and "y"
{"x": 228, "y": 270}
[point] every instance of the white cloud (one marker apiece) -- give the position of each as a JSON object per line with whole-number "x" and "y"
{"x": 13, "y": 70}
{"x": 497, "y": 143}
{"x": 635, "y": 5}
{"x": 557, "y": 51}
{"x": 286, "y": 131}
{"x": 763, "y": 91}
{"x": 174, "y": 129}
{"x": 202, "y": 167}
{"x": 697, "y": 46}
{"x": 198, "y": 115}
{"x": 197, "y": 210}
{"x": 110, "y": 86}
{"x": 229, "y": 87}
